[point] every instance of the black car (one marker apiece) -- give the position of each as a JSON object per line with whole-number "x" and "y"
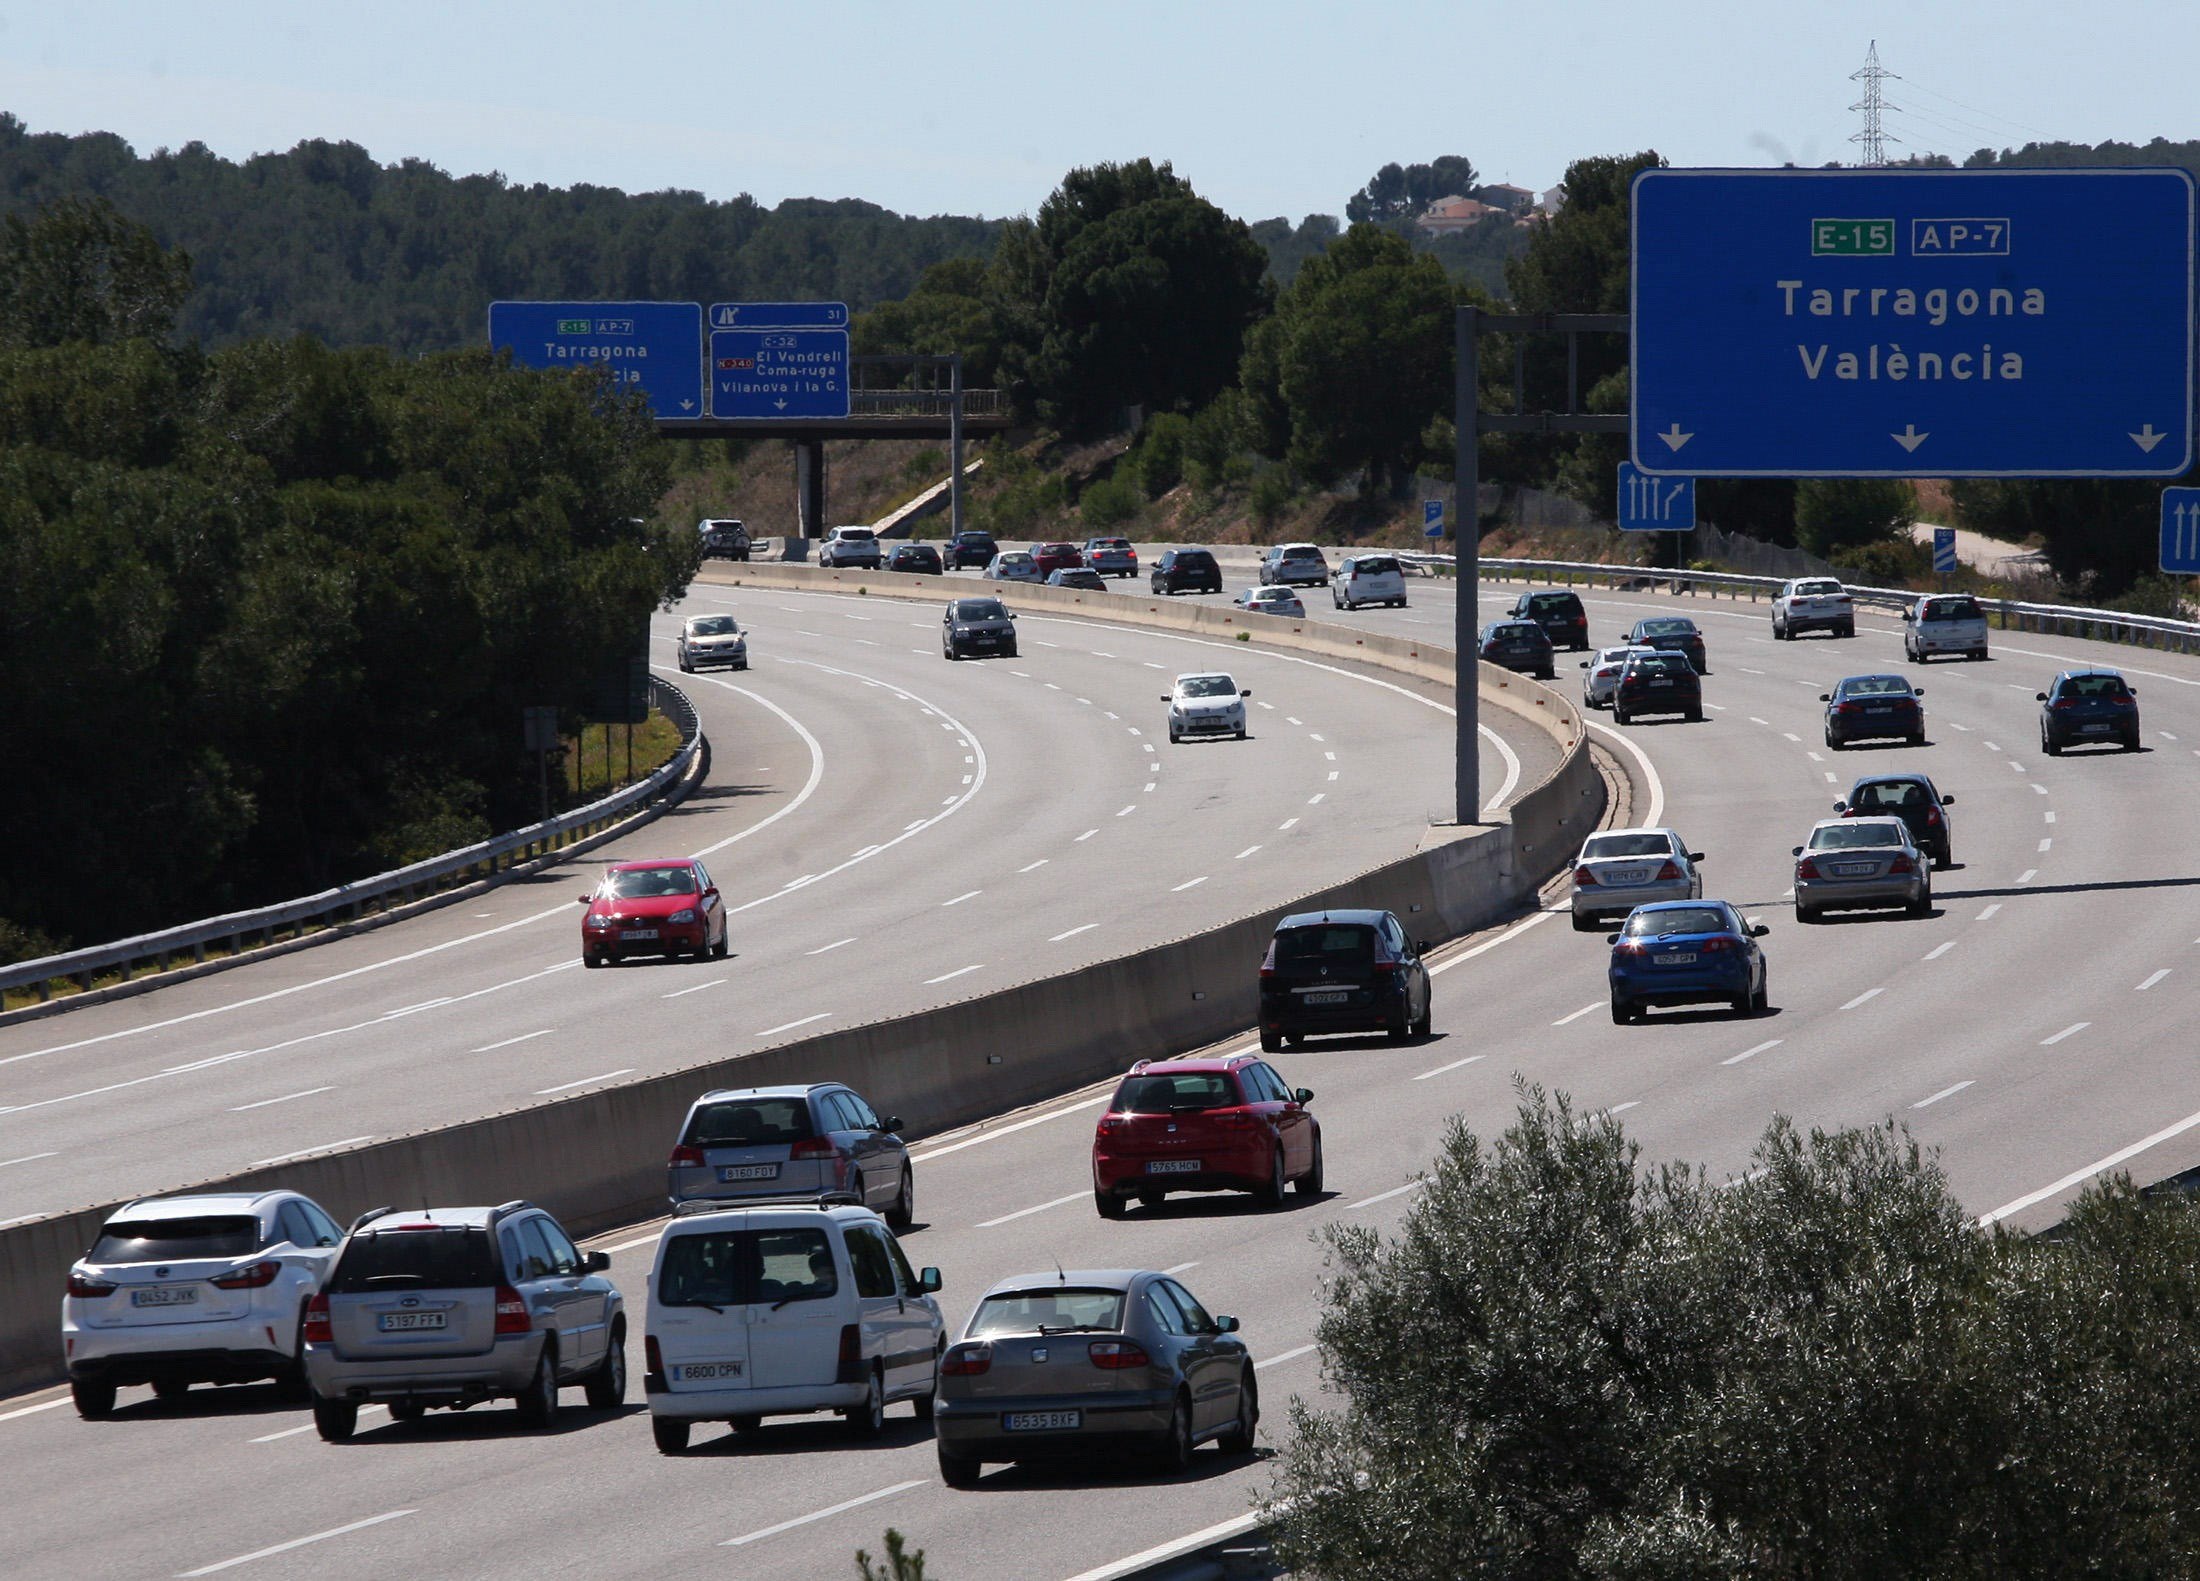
{"x": 1559, "y": 614}
{"x": 1672, "y": 634}
{"x": 1874, "y": 708}
{"x": 2086, "y": 708}
{"x": 1187, "y": 571}
{"x": 1911, "y": 797}
{"x": 1342, "y": 971}
{"x": 972, "y": 626}
{"x": 968, "y": 549}
{"x": 921, "y": 558}
{"x": 1657, "y": 683}
{"x": 1520, "y": 645}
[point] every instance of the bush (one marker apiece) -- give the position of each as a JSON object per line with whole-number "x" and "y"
{"x": 1110, "y": 502}
{"x": 1271, "y": 494}
{"x": 1159, "y": 457}
{"x": 1834, "y": 514}
{"x": 1214, "y": 445}
{"x": 1891, "y": 562}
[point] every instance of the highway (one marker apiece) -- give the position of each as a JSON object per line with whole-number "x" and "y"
{"x": 2029, "y": 1029}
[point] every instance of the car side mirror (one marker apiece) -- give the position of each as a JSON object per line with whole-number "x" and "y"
{"x": 1695, "y": 856}
{"x": 891, "y": 1123}
{"x": 1825, "y": 697}
{"x": 1012, "y": 614}
{"x": 1249, "y": 692}
{"x": 1225, "y": 1324}
{"x": 1302, "y": 1096}
{"x": 1909, "y": 614}
{"x": 1420, "y": 946}
{"x": 596, "y": 1263}
{"x": 1611, "y": 938}
{"x": 585, "y": 899}
{"x": 2133, "y": 690}
{"x": 2040, "y": 696}
{"x": 1584, "y": 664}
{"x": 1948, "y": 800}
{"x": 1165, "y": 697}
{"x": 1795, "y": 850}
{"x": 1758, "y": 930}
{"x": 928, "y": 1280}
{"x": 1917, "y": 691}
{"x": 1840, "y": 806}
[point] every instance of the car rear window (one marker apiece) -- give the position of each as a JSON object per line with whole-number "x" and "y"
{"x": 847, "y": 533}
{"x": 1668, "y": 628}
{"x": 1817, "y": 589}
{"x": 176, "y": 1240}
{"x": 1684, "y": 919}
{"x": 1889, "y": 793}
{"x": 1375, "y": 567}
{"x": 1604, "y": 845}
{"x": 975, "y": 540}
{"x": 1302, "y": 552}
{"x": 1554, "y": 603}
{"x": 1109, "y": 543}
{"x": 1327, "y": 941}
{"x": 1856, "y": 835}
{"x": 1050, "y": 1309}
{"x": 1197, "y": 559}
{"x": 1953, "y": 609}
{"x": 444, "y": 1257}
{"x": 722, "y": 1268}
{"x": 1677, "y": 663}
{"x": 1876, "y": 686}
{"x": 2097, "y": 686}
{"x": 1176, "y": 1092}
{"x": 749, "y": 1122}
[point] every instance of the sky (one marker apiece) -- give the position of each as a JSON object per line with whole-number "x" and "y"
{"x": 1277, "y": 108}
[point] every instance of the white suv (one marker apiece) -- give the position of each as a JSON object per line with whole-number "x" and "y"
{"x": 1944, "y": 623}
{"x": 1367, "y": 579}
{"x": 786, "y": 1309}
{"x": 203, "y": 1289}
{"x": 1812, "y": 603}
{"x": 851, "y": 546}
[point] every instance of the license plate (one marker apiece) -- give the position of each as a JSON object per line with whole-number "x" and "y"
{"x": 165, "y": 1296}
{"x": 638, "y": 933}
{"x": 1855, "y": 869}
{"x": 1041, "y": 1421}
{"x": 400, "y": 1322}
{"x": 1675, "y": 958}
{"x": 1173, "y": 1166}
{"x": 1880, "y": 708}
{"x": 1333, "y": 996}
{"x": 2094, "y": 730}
{"x": 706, "y": 1371}
{"x": 1632, "y": 875}
{"x": 1659, "y": 685}
{"x": 748, "y": 1172}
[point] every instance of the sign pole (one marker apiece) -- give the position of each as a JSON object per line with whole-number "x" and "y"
{"x": 955, "y": 449}
{"x": 1465, "y": 561}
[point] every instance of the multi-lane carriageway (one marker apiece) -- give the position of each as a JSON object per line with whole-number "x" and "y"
{"x": 2030, "y": 1030}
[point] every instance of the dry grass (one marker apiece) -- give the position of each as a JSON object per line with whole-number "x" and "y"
{"x": 864, "y": 480}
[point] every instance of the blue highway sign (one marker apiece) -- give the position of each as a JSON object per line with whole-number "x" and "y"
{"x": 1944, "y": 549}
{"x": 1648, "y": 504}
{"x": 1432, "y": 518}
{"x": 791, "y": 373}
{"x": 1925, "y": 323}
{"x": 779, "y": 315}
{"x": 2181, "y": 532}
{"x": 655, "y": 347}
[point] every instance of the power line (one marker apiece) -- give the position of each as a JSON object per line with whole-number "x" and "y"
{"x": 2022, "y": 126}
{"x": 1873, "y": 138}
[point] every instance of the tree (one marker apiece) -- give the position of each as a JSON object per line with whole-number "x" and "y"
{"x": 1401, "y": 191}
{"x": 77, "y": 271}
{"x": 1836, "y": 517}
{"x": 2100, "y": 535}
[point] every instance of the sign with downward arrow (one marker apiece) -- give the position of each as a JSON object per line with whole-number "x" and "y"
{"x": 778, "y": 373}
{"x": 653, "y": 347}
{"x": 1913, "y": 323}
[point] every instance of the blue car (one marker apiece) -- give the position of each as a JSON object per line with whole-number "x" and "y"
{"x": 1687, "y": 952}
{"x": 2086, "y": 708}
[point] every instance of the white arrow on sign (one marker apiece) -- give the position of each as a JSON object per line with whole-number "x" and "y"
{"x": 781, "y": 403}
{"x": 1909, "y": 439}
{"x": 1675, "y": 438}
{"x": 684, "y": 405}
{"x": 2146, "y": 439}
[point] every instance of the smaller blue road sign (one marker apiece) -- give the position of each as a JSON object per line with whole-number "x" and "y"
{"x": 654, "y": 347}
{"x": 779, "y": 315}
{"x": 2181, "y": 532}
{"x": 778, "y": 373}
{"x": 1944, "y": 549}
{"x": 1648, "y": 504}
{"x": 1432, "y": 518}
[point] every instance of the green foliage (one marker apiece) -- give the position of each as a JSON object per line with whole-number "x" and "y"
{"x": 1015, "y": 493}
{"x": 1110, "y": 502}
{"x": 1159, "y": 456}
{"x": 2100, "y": 535}
{"x": 1214, "y": 448}
{"x": 1400, "y": 192}
{"x": 1271, "y": 494}
{"x": 1567, "y": 1365}
{"x": 1840, "y": 516}
{"x": 1289, "y": 245}
{"x": 1889, "y": 562}
{"x": 76, "y": 271}
{"x": 902, "y": 1563}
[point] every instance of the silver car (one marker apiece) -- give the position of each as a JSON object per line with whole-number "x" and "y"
{"x": 1059, "y": 1365}
{"x": 1852, "y": 862}
{"x": 821, "y": 1140}
{"x": 454, "y": 1306}
{"x": 1604, "y": 672}
{"x": 712, "y": 642}
{"x": 1620, "y": 869}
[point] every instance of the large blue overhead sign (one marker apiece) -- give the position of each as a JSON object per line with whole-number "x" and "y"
{"x": 1871, "y": 323}
{"x": 655, "y": 347}
{"x": 778, "y": 372}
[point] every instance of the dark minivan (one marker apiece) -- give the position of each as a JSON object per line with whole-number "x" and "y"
{"x": 1342, "y": 971}
{"x": 1187, "y": 571}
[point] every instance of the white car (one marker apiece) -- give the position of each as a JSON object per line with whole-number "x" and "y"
{"x": 1013, "y": 565}
{"x": 1604, "y": 672}
{"x": 1206, "y": 704}
{"x": 1271, "y": 601}
{"x": 1620, "y": 869}
{"x": 712, "y": 642}
{"x": 1367, "y": 579}
{"x": 785, "y": 1310}
{"x": 1944, "y": 623}
{"x": 1812, "y": 603}
{"x": 851, "y": 546}
{"x": 197, "y": 1289}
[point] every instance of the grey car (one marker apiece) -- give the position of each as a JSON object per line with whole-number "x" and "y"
{"x": 1856, "y": 862}
{"x": 1059, "y": 1365}
{"x": 712, "y": 642}
{"x": 971, "y": 626}
{"x": 453, "y": 1306}
{"x": 820, "y": 1141}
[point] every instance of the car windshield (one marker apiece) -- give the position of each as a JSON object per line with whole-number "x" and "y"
{"x": 1679, "y": 919}
{"x": 1604, "y": 845}
{"x": 1206, "y": 686}
{"x": 1875, "y": 686}
{"x": 1857, "y": 834}
{"x": 1667, "y": 628}
{"x": 980, "y": 609}
{"x": 1348, "y": 942}
{"x": 713, "y": 626}
{"x": 724, "y": 1268}
{"x": 1817, "y": 589}
{"x": 2096, "y": 686}
{"x": 175, "y": 1240}
{"x": 1375, "y": 567}
{"x": 749, "y": 1122}
{"x": 1049, "y": 1309}
{"x": 649, "y": 883}
{"x": 433, "y": 1257}
{"x": 1175, "y": 1093}
{"x": 1953, "y": 609}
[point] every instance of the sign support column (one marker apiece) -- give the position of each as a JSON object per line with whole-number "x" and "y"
{"x": 955, "y": 449}
{"x": 1466, "y": 566}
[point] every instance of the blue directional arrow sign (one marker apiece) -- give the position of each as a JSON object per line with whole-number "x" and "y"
{"x": 779, "y": 315}
{"x": 1648, "y": 504}
{"x": 1924, "y": 323}
{"x": 1432, "y": 518}
{"x": 2181, "y": 532}
{"x": 778, "y": 373}
{"x": 654, "y": 347}
{"x": 1944, "y": 549}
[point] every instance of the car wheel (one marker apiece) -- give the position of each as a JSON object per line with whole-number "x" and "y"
{"x": 170, "y": 1388}
{"x": 1806, "y": 914}
{"x": 1271, "y": 1194}
{"x": 671, "y": 1434}
{"x": 1694, "y": 716}
{"x": 1152, "y": 1199}
{"x": 1239, "y": 1440}
{"x": 958, "y": 1471}
{"x": 1546, "y": 675}
{"x": 903, "y": 1212}
{"x": 1917, "y": 738}
{"x": 1832, "y": 744}
{"x": 1760, "y": 1003}
{"x": 1109, "y": 1205}
{"x": 1619, "y": 714}
{"x": 686, "y": 668}
{"x": 1422, "y": 1027}
{"x": 407, "y": 1410}
{"x": 290, "y": 1384}
{"x": 868, "y": 1420}
{"x": 1241, "y": 737}
{"x": 1310, "y": 1183}
{"x": 1009, "y": 652}
{"x": 1585, "y": 924}
{"x": 1270, "y": 1042}
{"x": 1175, "y": 739}
{"x": 2049, "y": 746}
{"x": 1293, "y": 1039}
{"x": 538, "y": 1402}
{"x": 2131, "y": 742}
{"x": 1848, "y": 629}
{"x": 1174, "y": 1453}
{"x": 744, "y": 1424}
{"x": 1622, "y": 1012}
{"x": 94, "y": 1397}
{"x": 607, "y": 1384}
{"x": 926, "y": 1405}
{"x": 591, "y": 961}
{"x": 335, "y": 1420}
{"x": 1923, "y": 905}
{"x": 725, "y": 943}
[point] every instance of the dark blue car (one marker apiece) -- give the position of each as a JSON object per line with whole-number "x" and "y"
{"x": 2087, "y": 708}
{"x": 1687, "y": 952}
{"x": 1874, "y": 708}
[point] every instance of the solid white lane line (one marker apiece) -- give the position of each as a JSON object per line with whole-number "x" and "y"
{"x": 524, "y": 1037}
{"x": 295, "y": 1542}
{"x": 789, "y": 1026}
{"x": 819, "y": 1515}
{"x": 1867, "y": 994}
{"x": 1025, "y": 1213}
{"x": 958, "y": 972}
{"x": 1507, "y": 936}
{"x": 1441, "y": 1069}
{"x": 1619, "y": 1108}
{"x": 1087, "y": 835}
{"x": 293, "y": 1432}
{"x": 1189, "y": 883}
{"x": 1576, "y": 1015}
{"x": 568, "y": 1086}
{"x": 31, "y": 1410}
{"x": 2074, "y": 1027}
{"x": 324, "y": 1147}
{"x": 240, "y": 1109}
{"x": 1988, "y": 912}
{"x": 1083, "y": 927}
{"x": 1030, "y": 866}
{"x": 1385, "y": 1196}
{"x": 1945, "y": 1092}
{"x": 2151, "y": 981}
{"x": 1753, "y": 1053}
{"x": 681, "y": 993}
{"x": 836, "y": 944}
{"x": 1656, "y": 811}
{"x": 968, "y": 894}
{"x": 998, "y": 1131}
{"x": 1938, "y": 950}
{"x": 1282, "y": 1356}
{"x": 2100, "y": 1167}
{"x": 1242, "y": 855}
{"x": 1135, "y": 1564}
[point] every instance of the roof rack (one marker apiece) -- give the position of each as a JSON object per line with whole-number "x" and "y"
{"x": 370, "y": 1216}
{"x": 502, "y": 1208}
{"x": 839, "y": 1197}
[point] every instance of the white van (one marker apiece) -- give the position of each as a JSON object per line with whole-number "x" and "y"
{"x": 786, "y": 1309}
{"x": 1944, "y": 623}
{"x": 1367, "y": 579}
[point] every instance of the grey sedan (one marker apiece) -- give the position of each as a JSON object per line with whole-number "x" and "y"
{"x": 821, "y": 1141}
{"x": 1850, "y": 862}
{"x": 1059, "y": 1365}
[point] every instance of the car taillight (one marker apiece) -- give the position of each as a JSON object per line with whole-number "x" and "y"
{"x": 2062, "y": 703}
{"x": 1851, "y": 708}
{"x": 1932, "y": 815}
{"x": 813, "y": 1147}
{"x": 1584, "y": 878}
{"x": 1231, "y": 1119}
{"x": 512, "y": 1315}
{"x": 653, "y": 1359}
{"x": 253, "y": 1278}
{"x": 685, "y": 1157}
{"x": 1109, "y": 1125}
{"x": 851, "y": 1353}
{"x": 1719, "y": 946}
{"x": 1671, "y": 870}
{"x": 85, "y": 1287}
{"x": 1629, "y": 947}
{"x": 1806, "y": 871}
{"x": 1385, "y": 968}
{"x": 966, "y": 1361}
{"x": 1902, "y": 864}
{"x": 318, "y": 1330}
{"x": 1116, "y": 1354}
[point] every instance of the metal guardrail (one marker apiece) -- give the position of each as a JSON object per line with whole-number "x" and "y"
{"x": 2101, "y": 625}
{"x": 240, "y": 930}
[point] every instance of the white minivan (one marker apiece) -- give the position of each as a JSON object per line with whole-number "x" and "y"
{"x": 786, "y": 1309}
{"x": 1367, "y": 579}
{"x": 1944, "y": 623}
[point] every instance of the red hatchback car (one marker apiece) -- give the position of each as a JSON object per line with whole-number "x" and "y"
{"x": 1204, "y": 1125}
{"x": 1053, "y": 557}
{"x": 653, "y": 908}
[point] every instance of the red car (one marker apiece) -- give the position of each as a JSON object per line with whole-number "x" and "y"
{"x": 653, "y": 908}
{"x": 1204, "y": 1125}
{"x": 1053, "y": 557}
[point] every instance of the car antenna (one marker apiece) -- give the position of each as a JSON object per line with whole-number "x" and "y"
{"x": 1060, "y": 1278}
